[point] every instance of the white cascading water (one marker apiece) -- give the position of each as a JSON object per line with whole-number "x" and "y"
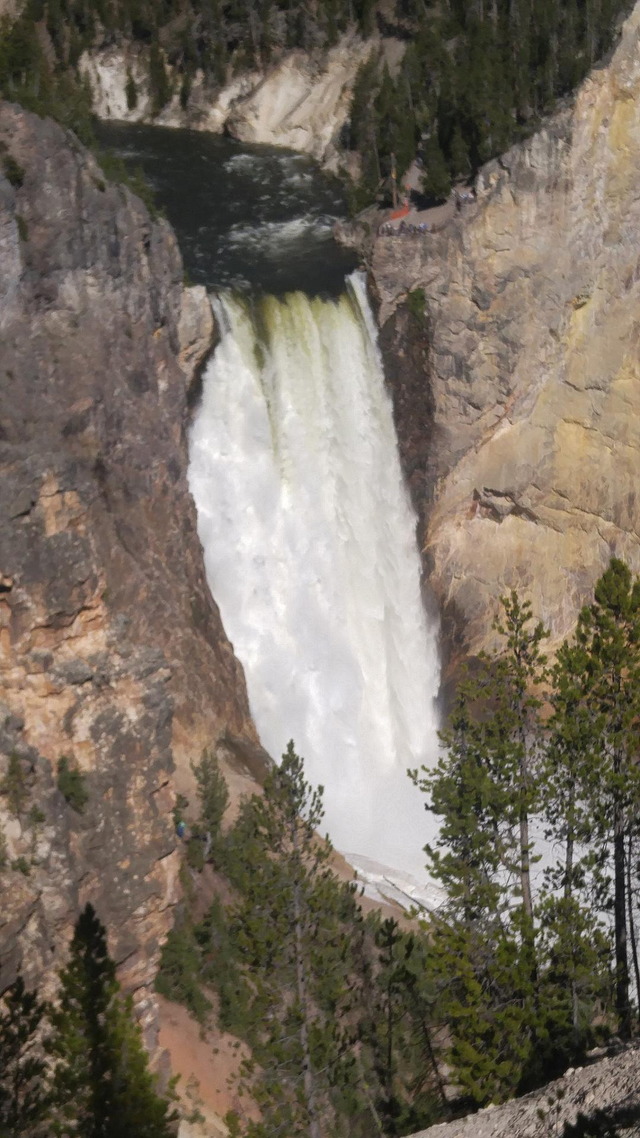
{"x": 310, "y": 552}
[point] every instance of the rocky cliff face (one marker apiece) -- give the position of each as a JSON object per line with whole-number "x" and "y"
{"x": 517, "y": 383}
{"x": 301, "y": 102}
{"x": 112, "y": 651}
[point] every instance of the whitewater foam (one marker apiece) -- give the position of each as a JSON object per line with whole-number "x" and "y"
{"x": 310, "y": 551}
{"x": 275, "y": 238}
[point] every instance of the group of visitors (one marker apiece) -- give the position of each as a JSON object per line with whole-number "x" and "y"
{"x": 388, "y": 229}
{"x": 401, "y": 226}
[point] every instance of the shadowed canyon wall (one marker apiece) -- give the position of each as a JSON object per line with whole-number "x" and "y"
{"x": 516, "y": 375}
{"x": 112, "y": 652}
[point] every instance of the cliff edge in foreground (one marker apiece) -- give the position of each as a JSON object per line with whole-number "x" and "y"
{"x": 602, "y": 1098}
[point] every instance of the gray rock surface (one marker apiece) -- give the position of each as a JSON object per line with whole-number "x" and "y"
{"x": 112, "y": 651}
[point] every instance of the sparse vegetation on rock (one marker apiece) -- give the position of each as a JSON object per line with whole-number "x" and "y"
{"x": 71, "y": 784}
{"x": 15, "y": 786}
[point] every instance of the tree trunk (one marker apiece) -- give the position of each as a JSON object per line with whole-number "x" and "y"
{"x": 568, "y": 893}
{"x": 426, "y": 1035}
{"x": 301, "y": 992}
{"x": 367, "y": 1094}
{"x": 525, "y": 845}
{"x": 632, "y": 924}
{"x": 623, "y": 1008}
{"x": 389, "y": 1059}
{"x": 568, "y": 859}
{"x": 525, "y": 865}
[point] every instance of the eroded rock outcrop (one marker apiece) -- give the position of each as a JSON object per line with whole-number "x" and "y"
{"x": 112, "y": 651}
{"x": 521, "y": 427}
{"x": 303, "y": 103}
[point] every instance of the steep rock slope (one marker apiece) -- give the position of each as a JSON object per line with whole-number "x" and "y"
{"x": 112, "y": 652}
{"x": 518, "y": 389}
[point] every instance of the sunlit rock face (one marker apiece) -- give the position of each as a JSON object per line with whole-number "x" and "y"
{"x": 111, "y": 649}
{"x": 518, "y": 394}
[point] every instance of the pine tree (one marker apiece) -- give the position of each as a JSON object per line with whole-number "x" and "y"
{"x": 159, "y": 82}
{"x": 519, "y": 674}
{"x": 102, "y": 1085}
{"x": 436, "y": 180}
{"x": 484, "y": 790}
{"x": 131, "y": 91}
{"x": 14, "y": 786}
{"x": 607, "y": 642}
{"x": 363, "y": 123}
{"x": 295, "y": 928}
{"x": 575, "y": 941}
{"x": 213, "y": 796}
{"x": 480, "y": 961}
{"x": 398, "y": 1030}
{"x": 24, "y": 1090}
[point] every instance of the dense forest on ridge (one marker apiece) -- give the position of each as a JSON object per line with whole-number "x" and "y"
{"x": 472, "y": 79}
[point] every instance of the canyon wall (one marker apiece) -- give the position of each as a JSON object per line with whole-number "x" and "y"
{"x": 112, "y": 652}
{"x": 512, "y": 347}
{"x": 301, "y": 102}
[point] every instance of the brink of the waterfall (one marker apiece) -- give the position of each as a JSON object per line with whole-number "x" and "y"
{"x": 310, "y": 551}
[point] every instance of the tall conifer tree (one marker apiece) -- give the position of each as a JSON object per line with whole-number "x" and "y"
{"x": 607, "y": 642}
{"x": 484, "y": 790}
{"x": 24, "y": 1089}
{"x": 102, "y": 1085}
{"x": 295, "y": 927}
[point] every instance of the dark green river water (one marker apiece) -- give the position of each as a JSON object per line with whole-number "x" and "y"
{"x": 248, "y": 218}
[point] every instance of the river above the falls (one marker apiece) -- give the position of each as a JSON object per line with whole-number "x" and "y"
{"x": 249, "y": 218}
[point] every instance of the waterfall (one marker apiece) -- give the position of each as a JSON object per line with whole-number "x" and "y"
{"x": 310, "y": 552}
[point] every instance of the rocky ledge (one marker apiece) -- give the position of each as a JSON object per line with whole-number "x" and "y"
{"x": 602, "y": 1098}
{"x": 112, "y": 652}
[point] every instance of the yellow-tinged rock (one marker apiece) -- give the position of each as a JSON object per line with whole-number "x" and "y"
{"x": 525, "y": 470}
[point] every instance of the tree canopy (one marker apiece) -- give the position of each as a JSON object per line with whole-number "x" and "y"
{"x": 472, "y": 78}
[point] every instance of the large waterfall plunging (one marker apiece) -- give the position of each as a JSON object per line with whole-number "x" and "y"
{"x": 310, "y": 552}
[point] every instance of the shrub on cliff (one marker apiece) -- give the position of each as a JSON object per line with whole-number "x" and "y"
{"x": 14, "y": 786}
{"x": 71, "y": 784}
